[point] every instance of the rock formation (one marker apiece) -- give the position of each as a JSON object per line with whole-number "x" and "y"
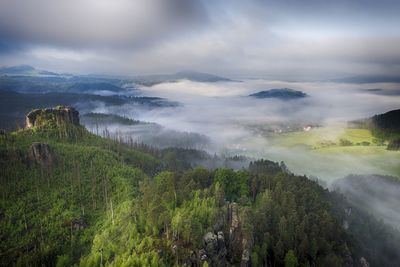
{"x": 227, "y": 243}
{"x": 43, "y": 154}
{"x": 215, "y": 249}
{"x": 364, "y": 262}
{"x": 57, "y": 115}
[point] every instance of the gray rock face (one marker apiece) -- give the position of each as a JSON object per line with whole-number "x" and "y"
{"x": 233, "y": 214}
{"x": 245, "y": 253}
{"x": 215, "y": 249}
{"x": 61, "y": 114}
{"x": 79, "y": 224}
{"x": 364, "y": 262}
{"x": 229, "y": 243}
{"x": 211, "y": 243}
{"x": 43, "y": 154}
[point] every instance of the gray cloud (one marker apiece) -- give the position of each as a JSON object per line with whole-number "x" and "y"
{"x": 92, "y": 23}
{"x": 282, "y": 39}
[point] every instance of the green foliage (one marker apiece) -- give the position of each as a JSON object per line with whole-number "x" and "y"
{"x": 345, "y": 142}
{"x": 291, "y": 259}
{"x": 233, "y": 183}
{"x": 105, "y": 204}
{"x": 50, "y": 214}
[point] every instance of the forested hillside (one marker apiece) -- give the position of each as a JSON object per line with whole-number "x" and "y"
{"x": 69, "y": 197}
{"x": 384, "y": 126}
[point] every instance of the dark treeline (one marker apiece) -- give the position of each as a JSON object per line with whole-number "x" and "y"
{"x": 385, "y": 127}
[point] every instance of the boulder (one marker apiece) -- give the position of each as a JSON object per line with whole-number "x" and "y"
{"x": 215, "y": 249}
{"x": 211, "y": 243}
{"x": 364, "y": 262}
{"x": 75, "y": 224}
{"x": 79, "y": 224}
{"x": 42, "y": 154}
{"x": 220, "y": 238}
{"x": 203, "y": 255}
{"x": 57, "y": 115}
{"x": 174, "y": 249}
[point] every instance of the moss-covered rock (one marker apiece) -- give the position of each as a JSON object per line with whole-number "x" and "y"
{"x": 52, "y": 117}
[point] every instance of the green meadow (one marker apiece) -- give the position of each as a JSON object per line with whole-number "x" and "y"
{"x": 331, "y": 153}
{"x": 324, "y": 137}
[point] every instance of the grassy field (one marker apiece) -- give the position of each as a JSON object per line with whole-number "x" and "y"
{"x": 320, "y": 152}
{"x": 324, "y": 137}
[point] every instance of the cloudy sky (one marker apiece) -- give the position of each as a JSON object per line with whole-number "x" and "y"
{"x": 285, "y": 39}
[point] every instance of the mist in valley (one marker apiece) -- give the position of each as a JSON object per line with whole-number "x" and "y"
{"x": 221, "y": 118}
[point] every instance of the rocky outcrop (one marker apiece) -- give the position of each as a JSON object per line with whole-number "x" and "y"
{"x": 233, "y": 215}
{"x": 235, "y": 234}
{"x": 42, "y": 154}
{"x": 227, "y": 244}
{"x": 364, "y": 262}
{"x": 76, "y": 224}
{"x": 347, "y": 212}
{"x": 57, "y": 115}
{"x": 214, "y": 251}
{"x": 240, "y": 244}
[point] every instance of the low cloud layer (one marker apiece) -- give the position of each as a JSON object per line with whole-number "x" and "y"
{"x": 238, "y": 124}
{"x": 378, "y": 195}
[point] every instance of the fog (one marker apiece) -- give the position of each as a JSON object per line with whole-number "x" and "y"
{"x": 378, "y": 195}
{"x": 236, "y": 124}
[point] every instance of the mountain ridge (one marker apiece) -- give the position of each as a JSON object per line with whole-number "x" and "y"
{"x": 280, "y": 93}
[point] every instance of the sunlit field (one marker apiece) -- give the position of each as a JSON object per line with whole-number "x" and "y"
{"x": 327, "y": 153}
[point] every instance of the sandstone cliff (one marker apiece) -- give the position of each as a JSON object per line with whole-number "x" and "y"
{"x": 57, "y": 115}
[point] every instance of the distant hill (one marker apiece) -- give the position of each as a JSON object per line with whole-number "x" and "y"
{"x": 389, "y": 122}
{"x": 94, "y": 87}
{"x": 383, "y": 92}
{"x": 107, "y": 119}
{"x": 23, "y": 70}
{"x": 14, "y": 106}
{"x": 368, "y": 79}
{"x": 47, "y": 84}
{"x": 150, "y": 80}
{"x": 384, "y": 126}
{"x": 281, "y": 93}
{"x": 199, "y": 76}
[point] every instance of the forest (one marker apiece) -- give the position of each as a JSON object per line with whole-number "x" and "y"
{"x": 384, "y": 126}
{"x": 71, "y": 198}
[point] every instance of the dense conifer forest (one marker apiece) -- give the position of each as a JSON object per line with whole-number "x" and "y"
{"x": 71, "y": 198}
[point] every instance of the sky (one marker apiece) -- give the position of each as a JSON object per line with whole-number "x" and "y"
{"x": 285, "y": 39}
